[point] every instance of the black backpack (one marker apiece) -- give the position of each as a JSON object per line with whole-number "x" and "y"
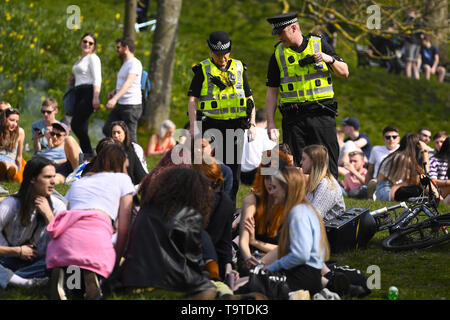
{"x": 145, "y": 87}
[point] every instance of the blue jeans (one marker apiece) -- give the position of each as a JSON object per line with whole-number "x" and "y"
{"x": 24, "y": 269}
{"x": 383, "y": 190}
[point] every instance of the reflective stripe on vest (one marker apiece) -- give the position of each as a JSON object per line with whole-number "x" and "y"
{"x": 300, "y": 84}
{"x": 229, "y": 103}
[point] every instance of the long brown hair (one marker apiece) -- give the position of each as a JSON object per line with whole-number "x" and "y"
{"x": 319, "y": 169}
{"x": 404, "y": 163}
{"x": 8, "y": 139}
{"x": 296, "y": 194}
{"x": 110, "y": 159}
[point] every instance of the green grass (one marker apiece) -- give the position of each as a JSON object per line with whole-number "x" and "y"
{"x": 418, "y": 274}
{"x": 37, "y": 52}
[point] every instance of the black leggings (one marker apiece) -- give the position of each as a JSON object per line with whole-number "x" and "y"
{"x": 304, "y": 277}
{"x": 83, "y": 110}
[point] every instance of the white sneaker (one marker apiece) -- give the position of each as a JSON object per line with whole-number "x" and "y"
{"x": 299, "y": 295}
{"x": 38, "y": 282}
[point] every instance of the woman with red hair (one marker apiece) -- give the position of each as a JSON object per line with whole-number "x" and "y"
{"x": 260, "y": 218}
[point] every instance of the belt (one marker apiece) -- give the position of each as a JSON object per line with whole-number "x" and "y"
{"x": 308, "y": 107}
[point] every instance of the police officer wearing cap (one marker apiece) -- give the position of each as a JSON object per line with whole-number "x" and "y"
{"x": 299, "y": 81}
{"x": 220, "y": 98}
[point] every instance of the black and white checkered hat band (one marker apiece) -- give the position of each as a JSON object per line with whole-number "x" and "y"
{"x": 283, "y": 23}
{"x": 219, "y": 46}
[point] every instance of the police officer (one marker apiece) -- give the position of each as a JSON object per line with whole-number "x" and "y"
{"x": 220, "y": 100}
{"x": 300, "y": 73}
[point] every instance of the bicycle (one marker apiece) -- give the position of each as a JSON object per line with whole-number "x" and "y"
{"x": 408, "y": 230}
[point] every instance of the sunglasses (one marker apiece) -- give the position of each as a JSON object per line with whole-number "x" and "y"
{"x": 88, "y": 42}
{"x": 56, "y": 134}
{"x": 47, "y": 111}
{"x": 390, "y": 137}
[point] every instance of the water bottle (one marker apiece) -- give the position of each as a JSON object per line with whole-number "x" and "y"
{"x": 393, "y": 293}
{"x": 257, "y": 256}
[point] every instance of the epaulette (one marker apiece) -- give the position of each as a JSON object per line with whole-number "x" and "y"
{"x": 195, "y": 68}
{"x": 314, "y": 35}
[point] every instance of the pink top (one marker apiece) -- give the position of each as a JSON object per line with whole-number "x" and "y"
{"x": 351, "y": 182}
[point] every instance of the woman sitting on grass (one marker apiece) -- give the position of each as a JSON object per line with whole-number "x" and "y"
{"x": 440, "y": 169}
{"x": 82, "y": 235}
{"x": 399, "y": 174}
{"x": 137, "y": 168}
{"x": 261, "y": 220}
{"x": 303, "y": 246}
{"x": 12, "y": 138}
{"x": 63, "y": 150}
{"x": 322, "y": 188}
{"x": 23, "y": 219}
{"x": 165, "y": 249}
{"x": 162, "y": 141}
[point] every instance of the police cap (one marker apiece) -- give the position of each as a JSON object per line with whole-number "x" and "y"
{"x": 282, "y": 21}
{"x": 219, "y": 42}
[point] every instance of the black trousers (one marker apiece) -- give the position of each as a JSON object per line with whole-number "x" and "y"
{"x": 304, "y": 277}
{"x": 128, "y": 113}
{"x": 301, "y": 130}
{"x": 83, "y": 111}
{"x": 228, "y": 144}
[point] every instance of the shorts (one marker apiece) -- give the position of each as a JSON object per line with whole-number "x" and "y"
{"x": 383, "y": 190}
{"x": 6, "y": 159}
{"x": 412, "y": 51}
{"x": 64, "y": 168}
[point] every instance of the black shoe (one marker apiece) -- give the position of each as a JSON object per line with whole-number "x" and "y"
{"x": 356, "y": 291}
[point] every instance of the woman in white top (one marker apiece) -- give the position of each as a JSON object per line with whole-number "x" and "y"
{"x": 87, "y": 78}
{"x": 82, "y": 236}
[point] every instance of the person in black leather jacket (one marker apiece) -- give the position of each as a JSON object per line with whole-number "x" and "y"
{"x": 165, "y": 248}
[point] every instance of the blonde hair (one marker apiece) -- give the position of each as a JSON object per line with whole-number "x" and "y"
{"x": 296, "y": 194}
{"x": 319, "y": 169}
{"x": 50, "y": 102}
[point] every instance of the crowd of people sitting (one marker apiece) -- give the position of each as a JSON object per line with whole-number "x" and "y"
{"x": 410, "y": 52}
{"x": 125, "y": 227}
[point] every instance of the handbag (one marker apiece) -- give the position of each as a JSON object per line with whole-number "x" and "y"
{"x": 271, "y": 284}
{"x": 69, "y": 101}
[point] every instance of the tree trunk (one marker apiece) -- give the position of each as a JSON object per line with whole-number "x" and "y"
{"x": 437, "y": 17}
{"x": 157, "y": 108}
{"x": 130, "y": 19}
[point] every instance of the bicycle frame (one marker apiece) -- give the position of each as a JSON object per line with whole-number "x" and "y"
{"x": 427, "y": 204}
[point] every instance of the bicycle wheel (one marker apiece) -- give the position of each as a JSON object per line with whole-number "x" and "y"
{"x": 425, "y": 234}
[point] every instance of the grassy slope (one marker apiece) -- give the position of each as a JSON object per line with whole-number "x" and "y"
{"x": 376, "y": 98}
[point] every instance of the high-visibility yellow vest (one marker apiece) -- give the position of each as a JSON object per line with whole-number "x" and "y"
{"x": 229, "y": 103}
{"x": 300, "y": 84}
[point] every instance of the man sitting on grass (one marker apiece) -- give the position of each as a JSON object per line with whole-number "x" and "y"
{"x": 355, "y": 178}
{"x": 63, "y": 150}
